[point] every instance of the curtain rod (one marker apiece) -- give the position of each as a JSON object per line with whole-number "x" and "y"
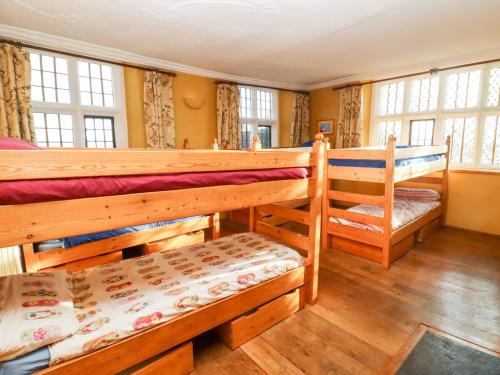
{"x": 264, "y": 87}
{"x": 430, "y": 71}
{"x": 125, "y": 64}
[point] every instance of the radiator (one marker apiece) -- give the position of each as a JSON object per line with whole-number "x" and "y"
{"x": 10, "y": 261}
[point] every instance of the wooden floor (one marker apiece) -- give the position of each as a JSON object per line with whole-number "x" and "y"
{"x": 365, "y": 314}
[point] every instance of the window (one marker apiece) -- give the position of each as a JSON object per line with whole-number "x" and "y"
{"x": 265, "y": 135}
{"x": 387, "y": 128}
{"x": 421, "y": 132}
{"x": 258, "y": 115}
{"x": 462, "y": 103}
{"x": 53, "y": 129}
{"x": 490, "y": 153}
{"x": 77, "y": 103}
{"x": 99, "y": 132}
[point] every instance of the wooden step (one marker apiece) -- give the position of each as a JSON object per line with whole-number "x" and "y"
{"x": 244, "y": 328}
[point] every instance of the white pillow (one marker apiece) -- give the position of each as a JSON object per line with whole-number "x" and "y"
{"x": 36, "y": 309}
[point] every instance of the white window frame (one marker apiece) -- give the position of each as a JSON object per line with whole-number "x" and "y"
{"x": 480, "y": 112}
{"x": 78, "y": 111}
{"x": 255, "y": 121}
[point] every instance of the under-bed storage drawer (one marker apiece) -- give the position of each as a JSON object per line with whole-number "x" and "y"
{"x": 244, "y": 328}
{"x": 428, "y": 230}
{"x": 177, "y": 361}
{"x": 174, "y": 242}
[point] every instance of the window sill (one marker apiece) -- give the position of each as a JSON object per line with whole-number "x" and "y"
{"x": 477, "y": 171}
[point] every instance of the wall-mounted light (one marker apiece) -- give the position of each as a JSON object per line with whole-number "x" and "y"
{"x": 194, "y": 102}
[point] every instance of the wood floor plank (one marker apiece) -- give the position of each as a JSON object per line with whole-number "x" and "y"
{"x": 269, "y": 359}
{"x": 366, "y": 314}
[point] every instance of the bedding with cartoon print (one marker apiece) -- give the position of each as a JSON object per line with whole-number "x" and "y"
{"x": 117, "y": 300}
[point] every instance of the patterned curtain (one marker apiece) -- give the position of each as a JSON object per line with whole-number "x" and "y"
{"x": 16, "y": 117}
{"x": 159, "y": 110}
{"x": 350, "y": 128}
{"x": 228, "y": 116}
{"x": 300, "y": 119}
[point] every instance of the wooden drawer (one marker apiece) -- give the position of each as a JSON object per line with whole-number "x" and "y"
{"x": 177, "y": 361}
{"x": 244, "y": 328}
{"x": 88, "y": 262}
{"x": 174, "y": 242}
{"x": 428, "y": 230}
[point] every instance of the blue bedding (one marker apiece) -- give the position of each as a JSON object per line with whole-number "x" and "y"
{"x": 27, "y": 364}
{"x": 85, "y": 238}
{"x": 381, "y": 163}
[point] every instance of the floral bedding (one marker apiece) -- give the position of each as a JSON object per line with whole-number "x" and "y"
{"x": 117, "y": 300}
{"x": 404, "y": 212}
{"x": 35, "y": 310}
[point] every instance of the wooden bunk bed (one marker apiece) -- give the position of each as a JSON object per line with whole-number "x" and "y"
{"x": 428, "y": 169}
{"x": 22, "y": 224}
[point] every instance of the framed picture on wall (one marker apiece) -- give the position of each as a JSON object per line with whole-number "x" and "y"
{"x": 325, "y": 126}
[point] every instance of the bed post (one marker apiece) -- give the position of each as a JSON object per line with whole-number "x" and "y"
{"x": 325, "y": 199}
{"x": 256, "y": 146}
{"x": 388, "y": 200}
{"x": 215, "y": 145}
{"x": 30, "y": 258}
{"x": 318, "y": 174}
{"x": 444, "y": 183}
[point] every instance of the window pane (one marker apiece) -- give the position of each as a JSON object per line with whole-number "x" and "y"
{"x": 245, "y": 102}
{"x": 462, "y": 131}
{"x": 494, "y": 88}
{"x": 246, "y": 135}
{"x": 264, "y": 105}
{"x": 462, "y": 90}
{"x": 48, "y": 74}
{"x": 490, "y": 153}
{"x": 265, "y": 135}
{"x": 95, "y": 135}
{"x": 53, "y": 129}
{"x": 391, "y": 98}
{"x": 91, "y": 90}
{"x": 424, "y": 94}
{"x": 387, "y": 128}
{"x": 421, "y": 132}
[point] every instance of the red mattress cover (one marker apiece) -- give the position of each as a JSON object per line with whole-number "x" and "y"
{"x": 45, "y": 190}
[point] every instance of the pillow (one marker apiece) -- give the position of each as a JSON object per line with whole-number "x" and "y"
{"x": 416, "y": 194}
{"x": 7, "y": 143}
{"x": 36, "y": 309}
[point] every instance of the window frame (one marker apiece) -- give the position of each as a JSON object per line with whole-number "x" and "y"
{"x": 440, "y": 114}
{"x": 79, "y": 111}
{"x": 254, "y": 121}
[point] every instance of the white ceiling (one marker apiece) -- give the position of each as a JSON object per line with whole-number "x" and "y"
{"x": 295, "y": 42}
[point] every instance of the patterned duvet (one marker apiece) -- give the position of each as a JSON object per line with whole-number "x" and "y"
{"x": 118, "y": 300}
{"x": 404, "y": 212}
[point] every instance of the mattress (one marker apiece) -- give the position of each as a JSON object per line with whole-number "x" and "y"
{"x": 381, "y": 163}
{"x": 45, "y": 190}
{"x": 404, "y": 212}
{"x": 117, "y": 300}
{"x": 86, "y": 238}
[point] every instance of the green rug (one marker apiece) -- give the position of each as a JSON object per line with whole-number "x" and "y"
{"x": 438, "y": 355}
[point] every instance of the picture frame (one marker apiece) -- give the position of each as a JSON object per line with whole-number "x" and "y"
{"x": 325, "y": 127}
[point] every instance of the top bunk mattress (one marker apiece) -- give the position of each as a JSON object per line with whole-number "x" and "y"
{"x": 46, "y": 190}
{"x": 117, "y": 300}
{"x": 381, "y": 163}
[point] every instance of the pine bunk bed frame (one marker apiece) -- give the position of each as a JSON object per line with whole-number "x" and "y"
{"x": 35, "y": 222}
{"x": 391, "y": 244}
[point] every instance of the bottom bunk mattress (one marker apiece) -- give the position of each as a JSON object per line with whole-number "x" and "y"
{"x": 404, "y": 211}
{"x": 117, "y": 300}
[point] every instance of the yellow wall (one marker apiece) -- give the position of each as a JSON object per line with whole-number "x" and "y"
{"x": 473, "y": 202}
{"x": 285, "y": 117}
{"x": 199, "y": 126}
{"x": 324, "y": 106}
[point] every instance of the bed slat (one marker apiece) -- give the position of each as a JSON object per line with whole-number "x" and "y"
{"x": 39, "y": 164}
{"x": 357, "y": 174}
{"x": 375, "y": 200}
{"x": 288, "y": 213}
{"x": 356, "y": 216}
{"x": 290, "y": 238}
{"x": 43, "y": 221}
